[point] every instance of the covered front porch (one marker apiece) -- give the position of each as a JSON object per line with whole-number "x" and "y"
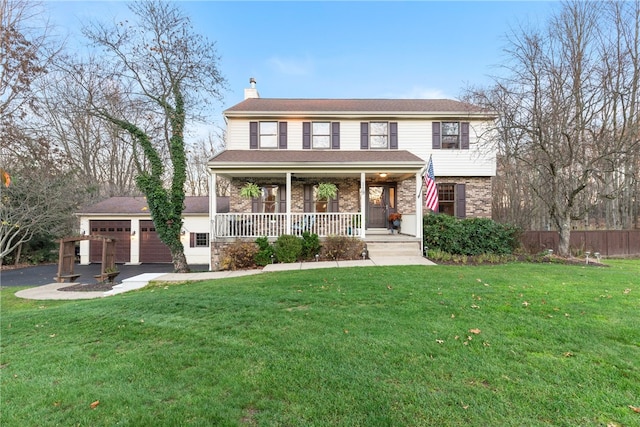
{"x": 369, "y": 189}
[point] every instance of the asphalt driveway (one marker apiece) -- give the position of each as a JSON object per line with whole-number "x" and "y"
{"x": 44, "y": 274}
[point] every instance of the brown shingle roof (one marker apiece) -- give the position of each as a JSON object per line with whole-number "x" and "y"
{"x": 138, "y": 206}
{"x": 316, "y": 156}
{"x": 283, "y": 105}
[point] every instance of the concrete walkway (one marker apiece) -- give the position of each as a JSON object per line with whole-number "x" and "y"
{"x": 51, "y": 292}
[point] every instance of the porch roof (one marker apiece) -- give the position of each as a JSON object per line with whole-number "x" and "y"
{"x": 315, "y": 162}
{"x": 317, "y": 157}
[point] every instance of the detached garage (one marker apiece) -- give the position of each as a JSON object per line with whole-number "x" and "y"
{"x": 127, "y": 219}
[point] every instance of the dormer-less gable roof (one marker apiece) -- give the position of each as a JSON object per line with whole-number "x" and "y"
{"x": 355, "y": 107}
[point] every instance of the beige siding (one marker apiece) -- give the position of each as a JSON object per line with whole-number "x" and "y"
{"x": 414, "y": 135}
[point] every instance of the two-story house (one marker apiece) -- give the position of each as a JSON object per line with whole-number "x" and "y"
{"x": 373, "y": 150}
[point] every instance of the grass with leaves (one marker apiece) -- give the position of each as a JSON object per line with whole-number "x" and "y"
{"x": 509, "y": 345}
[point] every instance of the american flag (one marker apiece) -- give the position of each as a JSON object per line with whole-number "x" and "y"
{"x": 431, "y": 196}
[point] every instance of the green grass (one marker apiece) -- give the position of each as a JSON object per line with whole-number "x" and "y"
{"x": 382, "y": 346}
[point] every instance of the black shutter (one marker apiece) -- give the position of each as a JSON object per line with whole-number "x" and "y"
{"x": 335, "y": 135}
{"x": 306, "y": 135}
{"x": 393, "y": 135}
{"x": 253, "y": 135}
{"x": 435, "y": 135}
{"x": 308, "y": 198}
{"x": 464, "y": 135}
{"x": 364, "y": 136}
{"x": 282, "y": 136}
{"x": 333, "y": 203}
{"x": 461, "y": 201}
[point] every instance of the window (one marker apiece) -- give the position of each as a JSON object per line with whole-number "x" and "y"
{"x": 321, "y": 135}
{"x": 199, "y": 240}
{"x": 268, "y": 134}
{"x": 378, "y": 135}
{"x": 450, "y": 135}
{"x": 313, "y": 204}
{"x": 447, "y": 199}
{"x": 452, "y": 199}
{"x": 270, "y": 199}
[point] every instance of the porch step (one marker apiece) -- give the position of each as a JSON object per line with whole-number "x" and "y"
{"x": 394, "y": 249}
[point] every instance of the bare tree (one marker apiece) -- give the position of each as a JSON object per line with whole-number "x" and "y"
{"x": 98, "y": 152}
{"x": 161, "y": 67}
{"x": 198, "y": 155}
{"x": 39, "y": 201}
{"x": 560, "y": 122}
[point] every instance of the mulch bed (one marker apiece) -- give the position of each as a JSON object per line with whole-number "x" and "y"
{"x": 93, "y": 287}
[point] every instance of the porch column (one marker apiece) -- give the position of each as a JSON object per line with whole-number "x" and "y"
{"x": 213, "y": 210}
{"x": 288, "y": 215}
{"x": 363, "y": 200}
{"x": 419, "y": 210}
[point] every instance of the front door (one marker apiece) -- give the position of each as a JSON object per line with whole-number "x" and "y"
{"x": 381, "y": 201}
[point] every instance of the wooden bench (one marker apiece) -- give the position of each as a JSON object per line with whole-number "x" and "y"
{"x": 64, "y": 277}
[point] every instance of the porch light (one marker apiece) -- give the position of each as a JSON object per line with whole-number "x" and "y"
{"x": 133, "y": 234}
{"x": 382, "y": 175}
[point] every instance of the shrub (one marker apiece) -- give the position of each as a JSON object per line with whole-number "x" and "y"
{"x": 472, "y": 236}
{"x": 238, "y": 255}
{"x": 288, "y": 248}
{"x": 265, "y": 252}
{"x": 342, "y": 247}
{"x": 310, "y": 245}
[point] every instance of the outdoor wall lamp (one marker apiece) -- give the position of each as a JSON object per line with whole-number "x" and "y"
{"x": 133, "y": 233}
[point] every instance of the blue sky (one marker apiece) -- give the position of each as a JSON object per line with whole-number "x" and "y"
{"x": 338, "y": 49}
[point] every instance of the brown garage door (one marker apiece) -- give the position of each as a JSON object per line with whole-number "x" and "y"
{"x": 151, "y": 247}
{"x": 119, "y": 230}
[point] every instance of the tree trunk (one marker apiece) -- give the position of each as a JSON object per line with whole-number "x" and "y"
{"x": 564, "y": 232}
{"x": 179, "y": 260}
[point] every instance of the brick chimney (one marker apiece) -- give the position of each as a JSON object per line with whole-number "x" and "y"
{"x": 251, "y": 92}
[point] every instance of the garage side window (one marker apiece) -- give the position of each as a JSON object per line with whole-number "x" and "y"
{"x": 199, "y": 240}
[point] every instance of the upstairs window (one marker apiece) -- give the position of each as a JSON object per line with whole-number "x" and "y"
{"x": 268, "y": 134}
{"x": 450, "y": 135}
{"x": 379, "y": 135}
{"x": 321, "y": 135}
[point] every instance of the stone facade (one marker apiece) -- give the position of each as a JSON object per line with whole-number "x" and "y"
{"x": 477, "y": 192}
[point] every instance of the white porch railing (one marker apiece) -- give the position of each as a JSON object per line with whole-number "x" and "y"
{"x": 275, "y": 224}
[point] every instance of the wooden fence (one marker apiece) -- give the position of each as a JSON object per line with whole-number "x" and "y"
{"x": 607, "y": 242}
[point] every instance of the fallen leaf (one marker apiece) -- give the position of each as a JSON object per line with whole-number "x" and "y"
{"x": 626, "y": 291}
{"x": 635, "y": 409}
{"x": 567, "y": 354}
{"x": 526, "y": 304}
{"x": 94, "y": 404}
{"x": 439, "y": 341}
{"x": 453, "y": 316}
{"x": 474, "y": 331}
{"x": 346, "y": 331}
{"x": 475, "y": 306}
{"x": 389, "y": 287}
{"x": 52, "y": 336}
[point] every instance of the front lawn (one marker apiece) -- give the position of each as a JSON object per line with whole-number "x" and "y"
{"x": 508, "y": 345}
